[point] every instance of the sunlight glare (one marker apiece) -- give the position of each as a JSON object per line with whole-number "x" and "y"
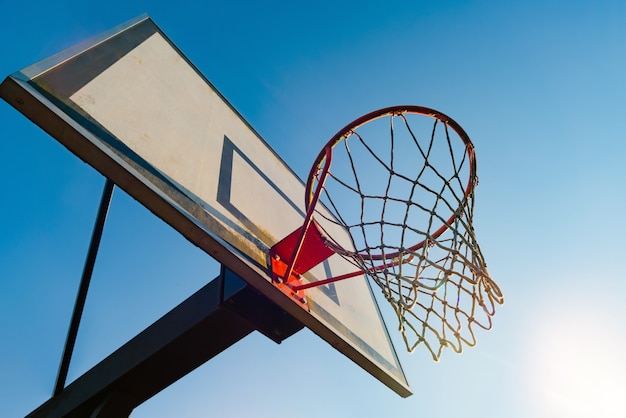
{"x": 577, "y": 362}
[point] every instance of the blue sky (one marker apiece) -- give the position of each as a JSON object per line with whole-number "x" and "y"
{"x": 538, "y": 85}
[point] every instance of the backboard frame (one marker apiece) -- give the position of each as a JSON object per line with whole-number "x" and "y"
{"x": 42, "y": 93}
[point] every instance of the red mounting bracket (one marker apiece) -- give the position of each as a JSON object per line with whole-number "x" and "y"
{"x": 296, "y": 254}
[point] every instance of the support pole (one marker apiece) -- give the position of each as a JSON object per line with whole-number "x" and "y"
{"x": 96, "y": 236}
{"x": 208, "y": 322}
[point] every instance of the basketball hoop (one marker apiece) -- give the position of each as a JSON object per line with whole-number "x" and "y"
{"x": 401, "y": 184}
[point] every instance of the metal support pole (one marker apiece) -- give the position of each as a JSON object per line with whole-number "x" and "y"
{"x": 210, "y": 321}
{"x": 105, "y": 202}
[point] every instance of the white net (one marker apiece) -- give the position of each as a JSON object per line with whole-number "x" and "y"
{"x": 402, "y": 186}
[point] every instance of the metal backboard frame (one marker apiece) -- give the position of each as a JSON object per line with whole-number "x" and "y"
{"x": 131, "y": 105}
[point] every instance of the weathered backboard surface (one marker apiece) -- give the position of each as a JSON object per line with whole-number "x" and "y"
{"x": 132, "y": 106}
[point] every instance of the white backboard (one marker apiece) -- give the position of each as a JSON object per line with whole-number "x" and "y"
{"x": 132, "y": 106}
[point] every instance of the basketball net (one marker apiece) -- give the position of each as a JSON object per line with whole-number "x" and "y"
{"x": 401, "y": 184}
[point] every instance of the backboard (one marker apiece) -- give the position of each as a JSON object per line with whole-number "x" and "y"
{"x": 131, "y": 105}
